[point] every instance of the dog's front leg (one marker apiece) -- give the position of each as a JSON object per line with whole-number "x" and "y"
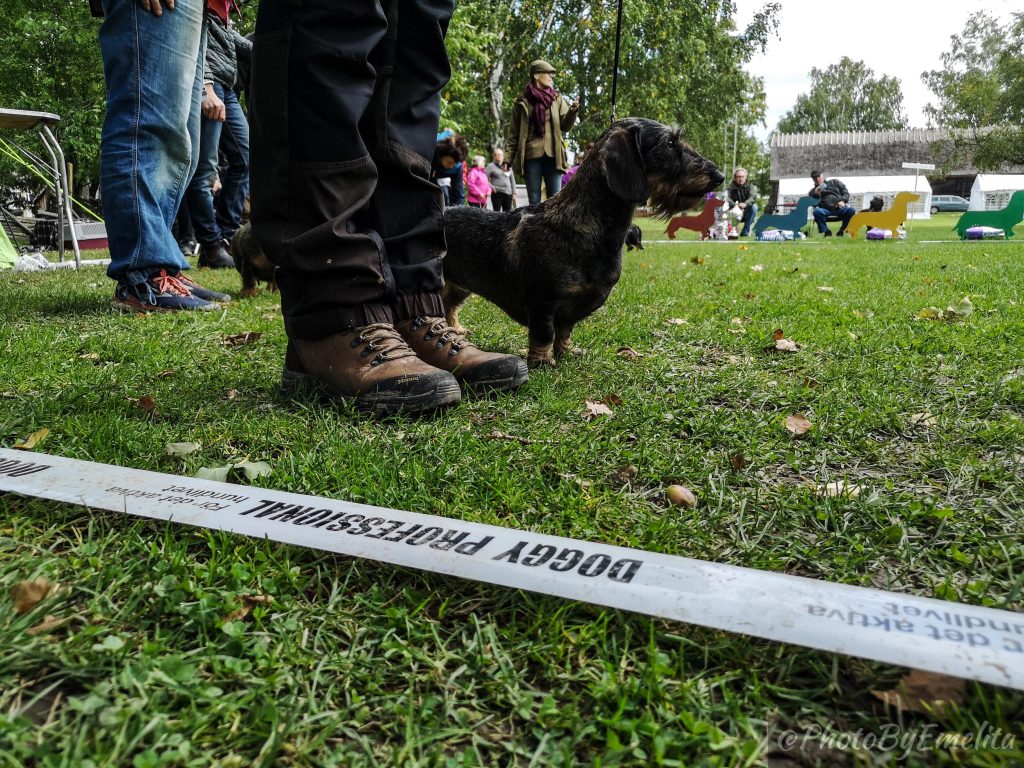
{"x": 563, "y": 342}
{"x": 542, "y": 337}
{"x": 248, "y": 279}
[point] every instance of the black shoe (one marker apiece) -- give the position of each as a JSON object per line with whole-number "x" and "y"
{"x": 840, "y": 233}
{"x": 827, "y": 233}
{"x": 216, "y": 257}
{"x": 160, "y": 293}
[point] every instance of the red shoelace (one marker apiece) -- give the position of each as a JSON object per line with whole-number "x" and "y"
{"x": 164, "y": 283}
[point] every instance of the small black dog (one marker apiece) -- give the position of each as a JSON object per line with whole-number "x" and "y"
{"x": 634, "y": 238}
{"x": 875, "y": 205}
{"x": 250, "y": 261}
{"x": 551, "y": 265}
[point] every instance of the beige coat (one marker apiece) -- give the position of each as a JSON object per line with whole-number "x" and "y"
{"x": 560, "y": 119}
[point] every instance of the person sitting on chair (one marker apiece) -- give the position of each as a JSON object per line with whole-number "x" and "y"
{"x": 832, "y": 197}
{"x": 742, "y": 195}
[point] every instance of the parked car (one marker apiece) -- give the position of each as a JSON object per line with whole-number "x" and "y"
{"x": 948, "y": 203}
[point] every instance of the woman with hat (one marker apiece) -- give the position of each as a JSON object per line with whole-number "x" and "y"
{"x": 540, "y": 117}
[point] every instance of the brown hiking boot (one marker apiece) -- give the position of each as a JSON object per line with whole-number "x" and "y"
{"x": 373, "y": 366}
{"x": 437, "y": 343}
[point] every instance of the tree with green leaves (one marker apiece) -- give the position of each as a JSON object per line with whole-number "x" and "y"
{"x": 980, "y": 91}
{"x": 680, "y": 63}
{"x": 847, "y": 97}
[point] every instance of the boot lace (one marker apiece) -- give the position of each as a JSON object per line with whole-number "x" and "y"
{"x": 382, "y": 339}
{"x": 438, "y": 326}
{"x": 169, "y": 284}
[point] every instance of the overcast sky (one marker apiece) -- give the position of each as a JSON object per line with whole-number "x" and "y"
{"x": 892, "y": 37}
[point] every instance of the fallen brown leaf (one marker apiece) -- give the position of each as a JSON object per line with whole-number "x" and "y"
{"x": 738, "y": 461}
{"x": 32, "y": 440}
{"x": 148, "y": 404}
{"x": 595, "y": 409}
{"x": 923, "y": 420}
{"x": 925, "y": 692}
{"x": 627, "y": 353}
{"x": 680, "y": 496}
{"x": 612, "y": 400}
{"x": 46, "y": 625}
{"x": 88, "y": 356}
{"x": 248, "y": 603}
{"x": 496, "y": 434}
{"x": 238, "y": 339}
{"x": 798, "y": 424}
{"x": 28, "y": 594}
{"x": 166, "y": 373}
{"x": 778, "y": 334}
{"x": 786, "y": 345}
{"x": 676, "y": 321}
{"x": 697, "y": 260}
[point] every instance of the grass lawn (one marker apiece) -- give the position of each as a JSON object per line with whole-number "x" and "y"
{"x": 158, "y": 656}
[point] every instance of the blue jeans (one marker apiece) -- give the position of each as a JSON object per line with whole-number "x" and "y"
{"x": 216, "y": 219}
{"x": 150, "y": 142}
{"x": 536, "y": 169}
{"x": 820, "y": 214}
{"x": 749, "y": 214}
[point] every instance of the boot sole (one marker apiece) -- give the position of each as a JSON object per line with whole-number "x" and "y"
{"x": 379, "y": 403}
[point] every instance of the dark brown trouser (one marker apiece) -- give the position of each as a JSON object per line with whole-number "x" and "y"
{"x": 345, "y": 105}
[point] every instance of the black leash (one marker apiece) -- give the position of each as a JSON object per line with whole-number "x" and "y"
{"x": 615, "y": 70}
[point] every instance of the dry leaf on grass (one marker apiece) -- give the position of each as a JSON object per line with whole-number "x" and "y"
{"x": 48, "y": 624}
{"x": 497, "y": 434}
{"x": 676, "y": 321}
{"x": 238, "y": 339}
{"x": 922, "y": 420}
{"x": 738, "y": 461}
{"x": 698, "y": 260}
{"x": 595, "y": 409}
{"x": 32, "y": 440}
{"x": 148, "y": 404}
{"x": 964, "y": 309}
{"x": 925, "y": 692}
{"x": 840, "y": 488}
{"x": 248, "y": 603}
{"x": 757, "y": 268}
{"x": 26, "y": 595}
{"x": 181, "y": 449}
{"x": 88, "y": 356}
{"x": 612, "y": 400}
{"x": 627, "y": 353}
{"x": 798, "y": 424}
{"x": 680, "y": 496}
{"x": 166, "y": 373}
{"x": 825, "y": 289}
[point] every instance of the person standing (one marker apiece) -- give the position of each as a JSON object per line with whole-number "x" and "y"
{"x": 833, "y": 200}
{"x": 477, "y": 184}
{"x": 224, "y": 131}
{"x": 345, "y": 107}
{"x": 148, "y": 149}
{"x": 742, "y": 194}
{"x": 540, "y": 119}
{"x": 503, "y": 184}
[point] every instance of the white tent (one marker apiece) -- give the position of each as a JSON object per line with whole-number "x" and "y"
{"x": 991, "y": 191}
{"x": 862, "y": 189}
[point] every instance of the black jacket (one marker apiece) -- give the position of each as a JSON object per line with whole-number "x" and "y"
{"x": 830, "y": 193}
{"x": 744, "y": 194}
{"x": 224, "y": 47}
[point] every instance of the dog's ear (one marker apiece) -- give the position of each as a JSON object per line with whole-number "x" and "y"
{"x": 624, "y": 166}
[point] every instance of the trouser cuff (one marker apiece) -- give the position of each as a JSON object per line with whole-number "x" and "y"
{"x": 428, "y": 304}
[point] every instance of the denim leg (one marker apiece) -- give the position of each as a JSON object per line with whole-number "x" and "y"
{"x": 820, "y": 215}
{"x": 151, "y": 67}
{"x": 199, "y": 195}
{"x": 234, "y": 146}
{"x": 552, "y": 176}
{"x": 847, "y": 214}
{"x": 533, "y": 173}
{"x": 749, "y": 214}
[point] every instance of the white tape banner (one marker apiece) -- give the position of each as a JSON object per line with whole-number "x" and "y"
{"x": 976, "y": 643}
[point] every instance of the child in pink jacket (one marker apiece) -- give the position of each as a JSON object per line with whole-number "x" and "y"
{"x": 478, "y": 188}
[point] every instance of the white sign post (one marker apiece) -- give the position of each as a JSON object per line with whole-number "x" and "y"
{"x": 917, "y": 167}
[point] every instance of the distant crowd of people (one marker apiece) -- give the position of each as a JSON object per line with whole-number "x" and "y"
{"x": 540, "y": 119}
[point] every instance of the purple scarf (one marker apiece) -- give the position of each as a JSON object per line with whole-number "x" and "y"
{"x": 541, "y": 99}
